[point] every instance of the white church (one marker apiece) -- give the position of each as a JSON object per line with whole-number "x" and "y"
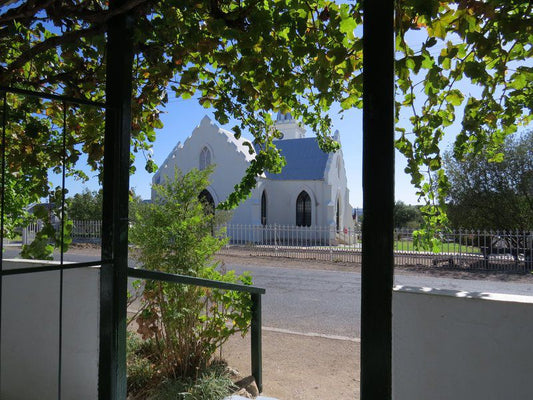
{"x": 309, "y": 194}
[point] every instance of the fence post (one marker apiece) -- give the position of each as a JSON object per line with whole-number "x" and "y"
{"x": 330, "y": 242}
{"x": 257, "y": 361}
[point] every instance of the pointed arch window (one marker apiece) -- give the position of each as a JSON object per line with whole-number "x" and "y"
{"x": 338, "y": 214}
{"x": 303, "y": 209}
{"x": 263, "y": 209}
{"x": 207, "y": 199}
{"x": 205, "y": 158}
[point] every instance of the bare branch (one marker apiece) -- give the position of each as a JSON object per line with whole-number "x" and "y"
{"x": 25, "y": 10}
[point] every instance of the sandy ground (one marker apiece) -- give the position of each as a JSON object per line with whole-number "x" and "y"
{"x": 297, "y": 367}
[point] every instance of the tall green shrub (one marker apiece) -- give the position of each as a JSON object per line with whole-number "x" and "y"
{"x": 176, "y": 234}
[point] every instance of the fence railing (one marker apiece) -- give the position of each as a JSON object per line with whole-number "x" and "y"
{"x": 88, "y": 231}
{"x": 494, "y": 249}
{"x": 255, "y": 294}
{"x": 457, "y": 249}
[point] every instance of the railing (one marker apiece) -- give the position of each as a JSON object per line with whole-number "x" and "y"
{"x": 493, "y": 250}
{"x": 255, "y": 294}
{"x": 87, "y": 231}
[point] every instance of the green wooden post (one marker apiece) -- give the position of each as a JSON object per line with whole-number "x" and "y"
{"x": 113, "y": 275}
{"x": 257, "y": 360}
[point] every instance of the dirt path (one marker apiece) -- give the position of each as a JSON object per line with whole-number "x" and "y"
{"x": 297, "y": 367}
{"x": 244, "y": 257}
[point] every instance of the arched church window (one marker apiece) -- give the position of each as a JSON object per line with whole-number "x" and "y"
{"x": 205, "y": 158}
{"x": 208, "y": 201}
{"x": 338, "y": 214}
{"x": 303, "y": 209}
{"x": 263, "y": 209}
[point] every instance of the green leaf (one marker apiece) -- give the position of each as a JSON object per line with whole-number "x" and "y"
{"x": 455, "y": 97}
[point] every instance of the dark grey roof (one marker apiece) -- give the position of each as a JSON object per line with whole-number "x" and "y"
{"x": 305, "y": 160}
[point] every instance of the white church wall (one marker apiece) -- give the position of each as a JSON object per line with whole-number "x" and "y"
{"x": 281, "y": 201}
{"x": 337, "y": 185}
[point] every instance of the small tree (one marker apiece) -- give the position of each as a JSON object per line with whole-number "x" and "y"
{"x": 493, "y": 194}
{"x": 185, "y": 323}
{"x": 52, "y": 235}
{"x": 86, "y": 205}
{"x": 407, "y": 216}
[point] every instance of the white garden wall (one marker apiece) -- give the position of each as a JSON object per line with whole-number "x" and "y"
{"x": 461, "y": 346}
{"x": 30, "y": 333}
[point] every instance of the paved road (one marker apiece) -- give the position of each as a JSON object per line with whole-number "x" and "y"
{"x": 329, "y": 302}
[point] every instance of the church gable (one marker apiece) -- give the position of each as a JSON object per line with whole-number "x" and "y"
{"x": 210, "y": 135}
{"x": 311, "y": 189}
{"x": 208, "y": 144}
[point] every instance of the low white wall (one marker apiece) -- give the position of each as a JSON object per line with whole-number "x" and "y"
{"x": 461, "y": 346}
{"x": 30, "y": 334}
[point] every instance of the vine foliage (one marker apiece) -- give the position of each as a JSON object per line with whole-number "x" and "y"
{"x": 248, "y": 59}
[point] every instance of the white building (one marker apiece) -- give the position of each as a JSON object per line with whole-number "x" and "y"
{"x": 311, "y": 191}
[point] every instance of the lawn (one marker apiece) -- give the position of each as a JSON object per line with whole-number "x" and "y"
{"x": 445, "y": 247}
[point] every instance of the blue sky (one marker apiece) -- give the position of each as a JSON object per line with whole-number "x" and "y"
{"x": 180, "y": 117}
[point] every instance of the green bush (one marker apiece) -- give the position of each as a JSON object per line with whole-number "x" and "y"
{"x": 212, "y": 384}
{"x": 185, "y": 324}
{"x": 140, "y": 364}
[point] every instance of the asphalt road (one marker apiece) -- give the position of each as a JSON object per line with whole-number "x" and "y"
{"x": 328, "y": 302}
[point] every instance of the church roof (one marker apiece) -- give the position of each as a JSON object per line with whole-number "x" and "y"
{"x": 305, "y": 160}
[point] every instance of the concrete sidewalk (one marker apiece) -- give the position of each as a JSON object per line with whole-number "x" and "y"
{"x": 300, "y": 366}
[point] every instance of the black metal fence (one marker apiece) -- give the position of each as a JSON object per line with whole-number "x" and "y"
{"x": 474, "y": 249}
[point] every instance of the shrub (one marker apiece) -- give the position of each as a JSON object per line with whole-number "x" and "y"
{"x": 213, "y": 384}
{"x": 186, "y": 324}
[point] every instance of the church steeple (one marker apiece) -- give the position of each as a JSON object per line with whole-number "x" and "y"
{"x": 287, "y": 125}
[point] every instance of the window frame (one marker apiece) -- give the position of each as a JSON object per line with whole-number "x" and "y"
{"x": 304, "y": 209}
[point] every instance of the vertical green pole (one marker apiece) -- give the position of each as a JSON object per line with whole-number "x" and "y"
{"x": 113, "y": 276}
{"x": 378, "y": 200}
{"x": 257, "y": 361}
